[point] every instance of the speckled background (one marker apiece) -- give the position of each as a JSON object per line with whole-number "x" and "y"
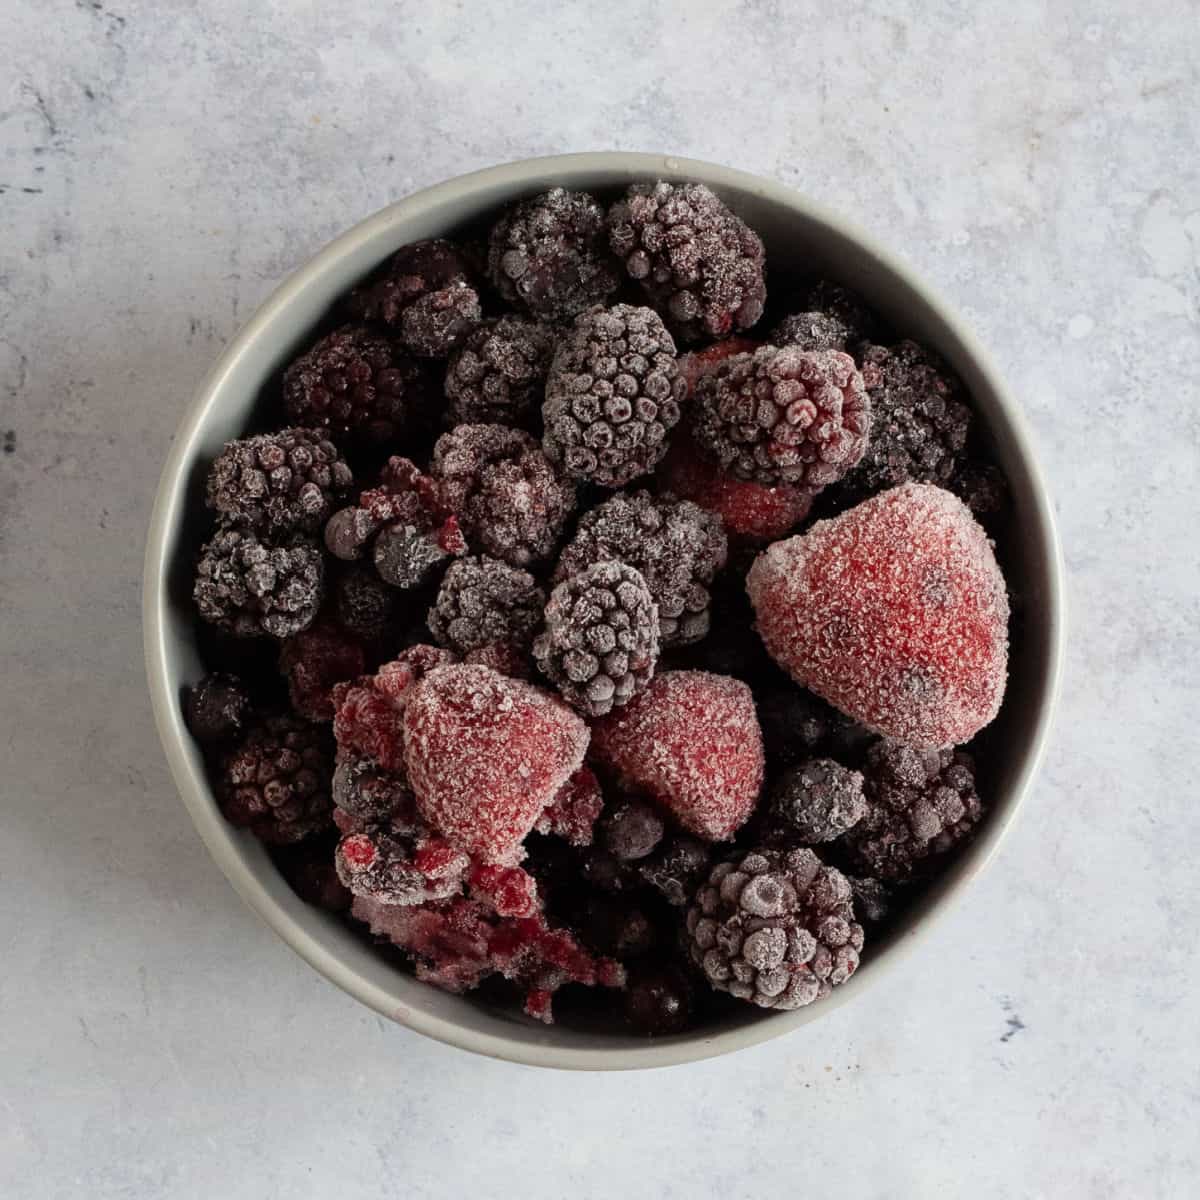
{"x": 163, "y": 165}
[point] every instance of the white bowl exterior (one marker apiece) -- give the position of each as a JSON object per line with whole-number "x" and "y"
{"x": 223, "y": 407}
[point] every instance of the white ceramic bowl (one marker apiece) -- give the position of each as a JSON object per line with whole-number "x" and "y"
{"x": 796, "y": 231}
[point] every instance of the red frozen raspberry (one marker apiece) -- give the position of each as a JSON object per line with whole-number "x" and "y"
{"x": 485, "y": 755}
{"x": 691, "y": 741}
{"x": 313, "y": 662}
{"x": 757, "y": 512}
{"x": 895, "y": 612}
{"x": 573, "y": 813}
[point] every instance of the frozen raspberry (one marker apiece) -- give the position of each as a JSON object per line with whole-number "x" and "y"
{"x": 690, "y": 741}
{"x": 511, "y": 891}
{"x": 369, "y": 794}
{"x": 676, "y": 546}
{"x": 573, "y": 813}
{"x": 676, "y": 868}
{"x": 756, "y": 512}
{"x": 313, "y": 661}
{"x": 783, "y": 415}
{"x": 700, "y": 264}
{"x": 217, "y": 709}
{"x": 895, "y": 612}
{"x": 510, "y": 500}
{"x": 484, "y": 602}
{"x": 631, "y": 830}
{"x": 775, "y": 928}
{"x": 388, "y": 868}
{"x": 694, "y": 365}
{"x": 659, "y": 1001}
{"x": 797, "y": 726}
{"x": 548, "y": 254}
{"x": 612, "y": 396}
{"x": 485, "y": 755}
{"x": 278, "y": 483}
{"x": 497, "y": 375}
{"x": 600, "y": 642}
{"x": 831, "y": 317}
{"x": 366, "y": 606}
{"x": 276, "y": 781}
{"x": 921, "y": 804}
{"x": 425, "y": 295}
{"x": 312, "y": 876}
{"x": 247, "y": 587}
{"x": 355, "y": 383}
{"x": 920, "y": 419}
{"x": 369, "y": 712}
{"x": 818, "y": 801}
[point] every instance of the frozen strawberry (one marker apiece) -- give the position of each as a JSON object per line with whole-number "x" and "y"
{"x": 485, "y": 755}
{"x": 895, "y": 612}
{"x": 690, "y": 741}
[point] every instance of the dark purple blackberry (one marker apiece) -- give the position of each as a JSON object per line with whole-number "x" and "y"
{"x": 797, "y": 725}
{"x": 600, "y": 642}
{"x": 248, "y": 587}
{"x": 676, "y": 868}
{"x": 278, "y": 483}
{"x": 784, "y": 415}
{"x": 510, "y": 501}
{"x": 313, "y": 661}
{"x": 618, "y": 927}
{"x": 776, "y": 928}
{"x": 677, "y": 546}
{"x": 981, "y": 487}
{"x": 828, "y": 312}
{"x": 217, "y": 709}
{"x": 548, "y": 255}
{"x": 424, "y": 295}
{"x": 276, "y": 781}
{"x": 818, "y": 801}
{"x": 366, "y": 606}
{"x": 659, "y": 1000}
{"x": 921, "y": 804}
{"x": 613, "y": 395}
{"x": 497, "y": 375}
{"x": 484, "y": 602}
{"x": 872, "y": 899}
{"x": 308, "y": 868}
{"x": 381, "y": 865}
{"x": 631, "y": 830}
{"x": 700, "y": 264}
{"x": 355, "y": 383}
{"x": 370, "y": 795}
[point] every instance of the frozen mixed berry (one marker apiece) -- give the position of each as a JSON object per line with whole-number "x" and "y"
{"x": 677, "y": 547}
{"x": 981, "y": 487}
{"x": 278, "y": 483}
{"x": 548, "y": 254}
{"x": 310, "y": 873}
{"x": 511, "y": 502}
{"x": 600, "y": 642}
{"x": 249, "y": 587}
{"x": 314, "y": 661}
{"x": 818, "y": 801}
{"x": 276, "y": 781}
{"x": 631, "y": 830}
{"x": 485, "y": 755}
{"x": 921, "y": 804}
{"x": 366, "y": 606}
{"x": 355, "y": 383}
{"x": 775, "y": 928}
{"x": 497, "y": 375}
{"x": 895, "y": 612}
{"x": 613, "y": 395}
{"x": 217, "y": 709}
{"x": 659, "y": 1000}
{"x": 798, "y": 725}
{"x": 424, "y": 295}
{"x": 691, "y": 742}
{"x": 754, "y": 512}
{"x": 618, "y": 926}
{"x": 369, "y": 795}
{"x": 676, "y": 868}
{"x": 395, "y": 870}
{"x": 699, "y": 263}
{"x": 830, "y": 317}
{"x": 784, "y": 415}
{"x": 573, "y": 812}
{"x": 485, "y": 602}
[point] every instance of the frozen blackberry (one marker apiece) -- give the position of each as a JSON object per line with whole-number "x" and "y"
{"x": 510, "y": 501}
{"x": 366, "y": 606}
{"x": 613, "y": 395}
{"x": 812, "y": 331}
{"x": 497, "y": 375}
{"x": 919, "y": 419}
{"x": 356, "y": 383}
{"x": 676, "y": 545}
{"x": 798, "y": 725}
{"x": 784, "y": 415}
{"x": 981, "y": 487}
{"x": 388, "y": 868}
{"x": 308, "y": 868}
{"x": 618, "y": 927}
{"x": 548, "y": 254}
{"x": 831, "y": 314}
{"x": 600, "y": 643}
{"x": 872, "y": 899}
{"x": 775, "y": 928}
{"x": 248, "y": 587}
{"x": 700, "y": 264}
{"x": 406, "y": 556}
{"x": 921, "y": 804}
{"x": 278, "y": 483}
{"x": 659, "y": 1000}
{"x": 484, "y": 602}
{"x": 818, "y": 801}
{"x": 370, "y": 795}
{"x": 217, "y": 709}
{"x": 276, "y": 781}
{"x": 676, "y": 868}
{"x": 313, "y": 661}
{"x": 631, "y": 830}
{"x": 424, "y": 295}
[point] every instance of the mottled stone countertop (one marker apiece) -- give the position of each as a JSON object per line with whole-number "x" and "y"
{"x": 163, "y": 165}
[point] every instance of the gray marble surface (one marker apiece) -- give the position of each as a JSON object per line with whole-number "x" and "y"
{"x": 163, "y": 165}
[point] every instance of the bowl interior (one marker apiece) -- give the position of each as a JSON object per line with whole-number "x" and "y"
{"x": 800, "y": 237}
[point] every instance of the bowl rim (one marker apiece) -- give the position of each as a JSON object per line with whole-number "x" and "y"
{"x": 168, "y": 510}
